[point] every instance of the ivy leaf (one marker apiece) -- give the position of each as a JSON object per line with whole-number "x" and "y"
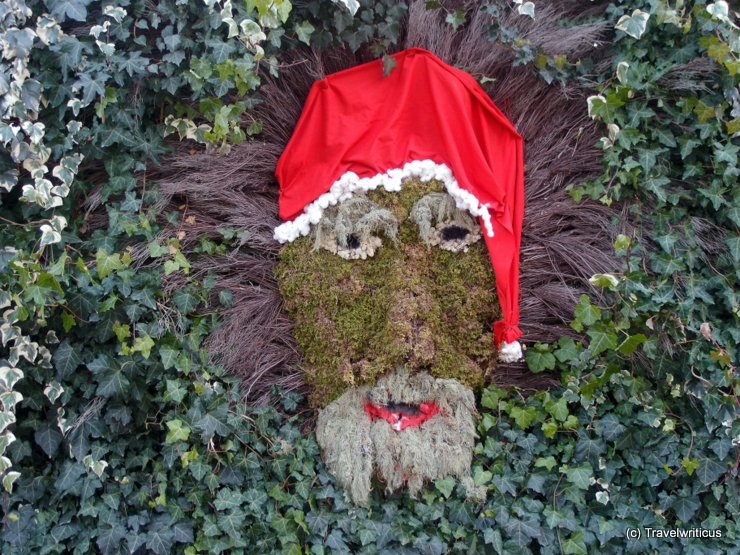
{"x": 66, "y": 360}
{"x": 389, "y": 62}
{"x": 522, "y": 531}
{"x": 580, "y": 476}
{"x": 525, "y": 8}
{"x": 68, "y": 9}
{"x": 48, "y": 438}
{"x": 112, "y": 382}
{"x": 609, "y": 427}
{"x": 539, "y": 361}
{"x": 589, "y": 449}
{"x": 504, "y": 485}
{"x": 709, "y": 470}
{"x": 227, "y": 499}
{"x": 209, "y": 425}
{"x": 351, "y": 5}
{"x": 601, "y": 341}
{"x": 445, "y": 486}
{"x": 685, "y": 507}
{"x": 629, "y": 345}
{"x": 548, "y": 462}
{"x": 318, "y": 522}
{"x": 634, "y": 25}
{"x": 220, "y": 50}
{"x": 575, "y": 545}
{"x": 109, "y": 540}
{"x": 456, "y": 18}
{"x": 168, "y": 356}
{"x": 335, "y": 541}
{"x": 303, "y": 31}
{"x": 257, "y": 498}
{"x": 107, "y": 263}
{"x": 177, "y": 431}
{"x": 69, "y": 477}
{"x": 567, "y": 350}
{"x": 586, "y": 313}
{"x": 185, "y": 301}
{"x": 232, "y": 523}
{"x": 733, "y": 244}
{"x": 9, "y": 479}
{"x": 160, "y": 541}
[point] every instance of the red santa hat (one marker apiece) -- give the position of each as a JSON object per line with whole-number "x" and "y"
{"x": 360, "y": 130}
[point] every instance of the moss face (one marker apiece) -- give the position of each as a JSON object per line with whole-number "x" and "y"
{"x": 410, "y": 305}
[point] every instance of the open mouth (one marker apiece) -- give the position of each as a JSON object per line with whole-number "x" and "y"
{"x": 402, "y": 415}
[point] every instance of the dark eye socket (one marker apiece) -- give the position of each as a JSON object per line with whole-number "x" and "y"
{"x": 353, "y": 241}
{"x": 454, "y": 233}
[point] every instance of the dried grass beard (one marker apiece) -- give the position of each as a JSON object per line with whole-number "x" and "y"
{"x": 358, "y": 450}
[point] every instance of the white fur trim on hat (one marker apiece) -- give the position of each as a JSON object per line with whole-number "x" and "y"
{"x": 349, "y": 183}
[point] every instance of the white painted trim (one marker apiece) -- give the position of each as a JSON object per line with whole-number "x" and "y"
{"x": 350, "y": 183}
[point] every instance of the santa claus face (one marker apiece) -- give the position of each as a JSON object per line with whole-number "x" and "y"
{"x": 393, "y": 298}
{"x": 391, "y": 280}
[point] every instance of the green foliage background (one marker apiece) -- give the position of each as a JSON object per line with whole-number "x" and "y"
{"x": 118, "y": 435}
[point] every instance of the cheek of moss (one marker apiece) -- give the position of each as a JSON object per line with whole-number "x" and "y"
{"x": 408, "y": 306}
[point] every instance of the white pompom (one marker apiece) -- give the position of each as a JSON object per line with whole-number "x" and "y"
{"x": 510, "y": 352}
{"x": 314, "y": 212}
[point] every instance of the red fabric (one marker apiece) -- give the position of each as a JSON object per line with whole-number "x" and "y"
{"x": 400, "y": 420}
{"x": 358, "y": 120}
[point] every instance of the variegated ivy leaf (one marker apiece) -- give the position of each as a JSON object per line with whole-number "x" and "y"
{"x": 48, "y": 30}
{"x": 634, "y": 25}
{"x": 97, "y": 30}
{"x": 613, "y": 129}
{"x": 720, "y": 10}
{"x": 117, "y": 12}
{"x": 10, "y": 399}
{"x": 351, "y": 5}
{"x": 594, "y": 104}
{"x": 8, "y": 132}
{"x": 64, "y": 174}
{"x": 6, "y": 439}
{"x": 53, "y": 390}
{"x": 34, "y": 131}
{"x": 252, "y": 33}
{"x": 6, "y": 419}
{"x": 75, "y": 104}
{"x": 98, "y": 467}
{"x": 25, "y": 348}
{"x": 8, "y": 333}
{"x": 9, "y": 376}
{"x": 233, "y": 27}
{"x": 9, "y": 179}
{"x": 9, "y": 479}
{"x": 107, "y": 48}
{"x": 5, "y": 463}
{"x": 51, "y": 233}
{"x": 35, "y": 168}
{"x": 525, "y": 8}
{"x": 622, "y": 68}
{"x": 49, "y": 236}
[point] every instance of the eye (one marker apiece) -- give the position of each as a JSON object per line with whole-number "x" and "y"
{"x": 444, "y": 225}
{"x": 351, "y": 229}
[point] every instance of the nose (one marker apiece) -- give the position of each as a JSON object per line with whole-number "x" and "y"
{"x": 454, "y": 233}
{"x": 353, "y": 241}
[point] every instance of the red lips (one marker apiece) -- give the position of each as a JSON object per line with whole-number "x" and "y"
{"x": 402, "y": 417}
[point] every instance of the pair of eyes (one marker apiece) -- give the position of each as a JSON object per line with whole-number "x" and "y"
{"x": 448, "y": 233}
{"x": 353, "y": 228}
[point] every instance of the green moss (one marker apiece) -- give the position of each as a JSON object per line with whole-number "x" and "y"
{"x": 412, "y": 306}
